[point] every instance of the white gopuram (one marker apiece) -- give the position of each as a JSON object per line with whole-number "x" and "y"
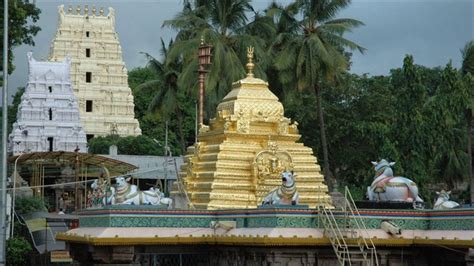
{"x": 99, "y": 75}
{"x": 48, "y": 115}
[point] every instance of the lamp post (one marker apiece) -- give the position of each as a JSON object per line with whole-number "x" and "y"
{"x": 14, "y": 195}
{"x": 204, "y": 60}
{"x": 3, "y": 198}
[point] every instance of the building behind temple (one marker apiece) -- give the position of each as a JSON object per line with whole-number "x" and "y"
{"x": 48, "y": 115}
{"x": 99, "y": 75}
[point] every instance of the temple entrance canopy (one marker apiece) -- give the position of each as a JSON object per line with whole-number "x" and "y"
{"x": 239, "y": 157}
{"x": 61, "y": 178}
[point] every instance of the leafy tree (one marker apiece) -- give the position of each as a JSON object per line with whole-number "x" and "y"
{"x": 30, "y": 204}
{"x": 18, "y": 250}
{"x": 142, "y": 97}
{"x": 166, "y": 90}
{"x": 360, "y": 117}
{"x": 315, "y": 53}
{"x": 223, "y": 24}
{"x": 467, "y": 70}
{"x": 131, "y": 145}
{"x": 446, "y": 114}
{"x": 410, "y": 126}
{"x": 20, "y": 13}
{"x": 13, "y": 108}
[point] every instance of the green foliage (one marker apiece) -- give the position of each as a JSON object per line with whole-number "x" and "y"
{"x": 224, "y": 25}
{"x": 467, "y": 70}
{"x": 468, "y": 58}
{"x": 131, "y": 145}
{"x": 18, "y": 250}
{"x": 309, "y": 52}
{"x": 160, "y": 98}
{"x": 415, "y": 116}
{"x": 21, "y": 14}
{"x": 30, "y": 204}
{"x": 13, "y": 108}
{"x": 143, "y": 96}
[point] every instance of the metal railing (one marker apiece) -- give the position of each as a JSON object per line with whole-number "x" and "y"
{"x": 353, "y": 235}
{"x": 334, "y": 234}
{"x": 359, "y": 229}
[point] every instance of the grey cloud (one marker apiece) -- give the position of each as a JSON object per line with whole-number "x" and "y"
{"x": 433, "y": 31}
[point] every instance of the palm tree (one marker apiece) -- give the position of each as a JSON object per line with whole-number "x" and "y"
{"x": 224, "y": 25}
{"x": 315, "y": 52}
{"x": 165, "y": 102}
{"x": 468, "y": 69}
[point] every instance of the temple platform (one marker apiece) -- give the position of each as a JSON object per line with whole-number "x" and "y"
{"x": 123, "y": 234}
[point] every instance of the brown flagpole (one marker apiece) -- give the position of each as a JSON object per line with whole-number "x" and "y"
{"x": 204, "y": 60}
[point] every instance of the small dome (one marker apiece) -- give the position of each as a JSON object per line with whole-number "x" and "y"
{"x": 251, "y": 97}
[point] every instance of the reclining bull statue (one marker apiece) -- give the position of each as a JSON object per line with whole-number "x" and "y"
{"x": 443, "y": 201}
{"x": 126, "y": 193}
{"x": 285, "y": 194}
{"x": 387, "y": 187}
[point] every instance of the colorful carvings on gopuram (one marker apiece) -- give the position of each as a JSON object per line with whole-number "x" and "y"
{"x": 239, "y": 157}
{"x": 98, "y": 72}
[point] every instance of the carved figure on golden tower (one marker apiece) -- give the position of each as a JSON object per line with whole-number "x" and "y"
{"x": 239, "y": 157}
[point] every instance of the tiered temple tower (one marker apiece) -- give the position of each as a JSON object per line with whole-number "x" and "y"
{"x": 240, "y": 155}
{"x": 48, "y": 115}
{"x": 99, "y": 75}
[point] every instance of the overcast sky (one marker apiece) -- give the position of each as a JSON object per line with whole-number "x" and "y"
{"x": 433, "y": 31}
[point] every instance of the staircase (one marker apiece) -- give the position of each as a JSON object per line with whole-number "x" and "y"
{"x": 348, "y": 234}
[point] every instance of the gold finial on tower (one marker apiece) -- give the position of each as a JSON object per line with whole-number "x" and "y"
{"x": 250, "y": 65}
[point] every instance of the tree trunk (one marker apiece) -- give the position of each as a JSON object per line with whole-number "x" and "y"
{"x": 179, "y": 121}
{"x": 324, "y": 144}
{"x": 469, "y": 125}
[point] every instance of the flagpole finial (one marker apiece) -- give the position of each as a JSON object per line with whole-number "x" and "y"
{"x": 250, "y": 64}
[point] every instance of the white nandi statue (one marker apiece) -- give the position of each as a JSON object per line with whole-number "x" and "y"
{"x": 387, "y": 187}
{"x": 125, "y": 193}
{"x": 286, "y": 194}
{"x": 154, "y": 196}
{"x": 443, "y": 201}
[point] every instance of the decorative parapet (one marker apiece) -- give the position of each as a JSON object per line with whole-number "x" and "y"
{"x": 273, "y": 226}
{"x": 270, "y": 217}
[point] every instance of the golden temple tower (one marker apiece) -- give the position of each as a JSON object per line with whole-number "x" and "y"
{"x": 239, "y": 157}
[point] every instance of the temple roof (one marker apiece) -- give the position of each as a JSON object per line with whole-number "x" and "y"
{"x": 50, "y": 71}
{"x": 114, "y": 166}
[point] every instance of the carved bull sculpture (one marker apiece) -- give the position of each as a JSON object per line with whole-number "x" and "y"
{"x": 387, "y": 187}
{"x": 286, "y": 194}
{"x": 443, "y": 201}
{"x": 126, "y": 193}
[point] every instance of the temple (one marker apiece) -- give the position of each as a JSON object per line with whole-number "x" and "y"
{"x": 239, "y": 157}
{"x": 99, "y": 75}
{"x": 48, "y": 115}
